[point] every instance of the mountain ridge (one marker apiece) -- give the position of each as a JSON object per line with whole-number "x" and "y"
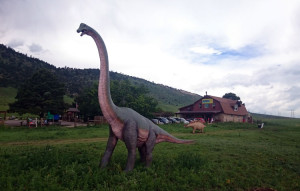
{"x": 17, "y": 67}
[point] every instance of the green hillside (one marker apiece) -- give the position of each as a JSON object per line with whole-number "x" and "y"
{"x": 15, "y": 68}
{"x": 7, "y": 95}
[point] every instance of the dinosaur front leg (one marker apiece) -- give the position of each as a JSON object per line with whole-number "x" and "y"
{"x": 130, "y": 139}
{"x": 111, "y": 144}
{"x": 150, "y": 143}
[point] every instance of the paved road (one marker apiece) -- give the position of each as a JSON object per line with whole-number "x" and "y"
{"x": 15, "y": 123}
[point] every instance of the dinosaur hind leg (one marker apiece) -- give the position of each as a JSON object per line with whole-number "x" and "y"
{"x": 130, "y": 139}
{"x": 111, "y": 144}
{"x": 150, "y": 143}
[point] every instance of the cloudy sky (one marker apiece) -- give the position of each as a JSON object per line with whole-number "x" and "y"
{"x": 250, "y": 48}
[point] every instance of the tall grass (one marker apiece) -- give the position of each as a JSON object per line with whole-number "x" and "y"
{"x": 228, "y": 156}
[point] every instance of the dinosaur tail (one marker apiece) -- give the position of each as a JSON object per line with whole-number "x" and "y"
{"x": 172, "y": 139}
{"x": 163, "y": 136}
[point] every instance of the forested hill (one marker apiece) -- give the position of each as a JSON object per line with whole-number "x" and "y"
{"x": 16, "y": 67}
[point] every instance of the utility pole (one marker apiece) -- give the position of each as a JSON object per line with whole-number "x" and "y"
{"x": 292, "y": 113}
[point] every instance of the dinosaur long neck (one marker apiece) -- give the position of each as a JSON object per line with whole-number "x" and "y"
{"x": 107, "y": 106}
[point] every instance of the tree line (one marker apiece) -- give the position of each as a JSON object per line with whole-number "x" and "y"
{"x": 43, "y": 92}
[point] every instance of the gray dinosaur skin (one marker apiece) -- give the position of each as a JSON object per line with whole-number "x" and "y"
{"x": 124, "y": 123}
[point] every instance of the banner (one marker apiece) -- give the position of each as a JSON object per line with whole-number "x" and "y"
{"x": 206, "y": 101}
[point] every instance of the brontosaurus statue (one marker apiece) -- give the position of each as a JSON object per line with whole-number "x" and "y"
{"x": 124, "y": 123}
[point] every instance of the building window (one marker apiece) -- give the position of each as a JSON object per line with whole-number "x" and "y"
{"x": 206, "y": 105}
{"x": 214, "y": 105}
{"x": 200, "y": 105}
{"x": 235, "y": 107}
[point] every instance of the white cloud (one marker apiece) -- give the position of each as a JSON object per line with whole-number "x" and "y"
{"x": 35, "y": 48}
{"x": 205, "y": 50}
{"x": 250, "y": 48}
{"x": 15, "y": 43}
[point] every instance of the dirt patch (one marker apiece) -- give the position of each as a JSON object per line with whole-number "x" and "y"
{"x": 18, "y": 123}
{"x": 54, "y": 142}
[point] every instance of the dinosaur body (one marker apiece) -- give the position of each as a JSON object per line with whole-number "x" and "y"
{"x": 124, "y": 123}
{"x": 196, "y": 126}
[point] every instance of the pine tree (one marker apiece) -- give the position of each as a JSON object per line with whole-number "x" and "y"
{"x": 231, "y": 96}
{"x": 40, "y": 94}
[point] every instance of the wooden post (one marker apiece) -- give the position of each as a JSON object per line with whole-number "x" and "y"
{"x": 2, "y": 121}
{"x": 74, "y": 119}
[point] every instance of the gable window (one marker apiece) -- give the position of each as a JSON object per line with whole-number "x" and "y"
{"x": 235, "y": 107}
{"x": 214, "y": 105}
{"x": 206, "y": 105}
{"x": 200, "y": 105}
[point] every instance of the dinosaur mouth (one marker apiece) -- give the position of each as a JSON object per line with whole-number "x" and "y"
{"x": 83, "y": 32}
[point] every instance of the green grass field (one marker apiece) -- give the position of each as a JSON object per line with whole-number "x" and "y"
{"x": 167, "y": 107}
{"x": 228, "y": 156}
{"x": 7, "y": 95}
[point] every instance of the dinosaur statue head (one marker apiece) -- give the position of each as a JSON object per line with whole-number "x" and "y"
{"x": 84, "y": 29}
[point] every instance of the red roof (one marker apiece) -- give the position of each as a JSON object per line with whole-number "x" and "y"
{"x": 228, "y": 106}
{"x": 199, "y": 112}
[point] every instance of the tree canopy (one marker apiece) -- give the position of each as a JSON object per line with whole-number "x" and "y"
{"x": 231, "y": 96}
{"x": 39, "y": 94}
{"x": 124, "y": 94}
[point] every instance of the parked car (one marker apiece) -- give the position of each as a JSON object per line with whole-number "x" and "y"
{"x": 165, "y": 121}
{"x": 161, "y": 120}
{"x": 173, "y": 120}
{"x": 178, "y": 119}
{"x": 182, "y": 120}
{"x": 199, "y": 119}
{"x": 190, "y": 119}
{"x": 157, "y": 121}
{"x": 170, "y": 120}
